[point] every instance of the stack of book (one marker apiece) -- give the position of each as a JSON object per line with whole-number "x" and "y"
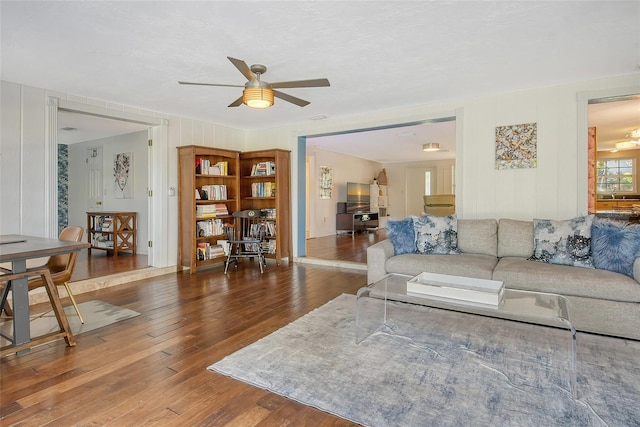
{"x": 263, "y": 168}
{"x": 206, "y": 211}
{"x": 209, "y": 251}
{"x": 103, "y": 223}
{"x": 269, "y": 213}
{"x": 221, "y": 209}
{"x": 102, "y": 241}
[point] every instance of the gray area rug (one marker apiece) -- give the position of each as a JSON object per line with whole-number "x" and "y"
{"x": 95, "y": 313}
{"x": 440, "y": 368}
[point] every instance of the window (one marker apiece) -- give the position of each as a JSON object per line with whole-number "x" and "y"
{"x": 427, "y": 183}
{"x": 615, "y": 175}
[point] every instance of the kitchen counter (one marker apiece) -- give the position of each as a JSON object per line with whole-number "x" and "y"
{"x": 622, "y": 215}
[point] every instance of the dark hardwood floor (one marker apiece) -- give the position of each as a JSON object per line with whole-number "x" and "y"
{"x": 343, "y": 247}
{"x": 151, "y": 370}
{"x": 100, "y": 263}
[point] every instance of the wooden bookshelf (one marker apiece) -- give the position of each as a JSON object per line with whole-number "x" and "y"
{"x": 265, "y": 184}
{"x": 205, "y": 171}
{"x": 112, "y": 231}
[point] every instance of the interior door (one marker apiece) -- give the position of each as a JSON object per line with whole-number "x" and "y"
{"x": 94, "y": 179}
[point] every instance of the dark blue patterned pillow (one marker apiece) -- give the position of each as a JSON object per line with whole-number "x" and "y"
{"x": 563, "y": 242}
{"x": 436, "y": 234}
{"x": 615, "y": 245}
{"x": 401, "y": 234}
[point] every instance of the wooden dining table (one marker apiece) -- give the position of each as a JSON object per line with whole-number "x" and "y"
{"x": 17, "y": 249}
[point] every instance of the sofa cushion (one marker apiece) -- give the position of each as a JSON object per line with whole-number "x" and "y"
{"x": 402, "y": 235}
{"x": 515, "y": 238}
{"x": 436, "y": 234}
{"x": 615, "y": 245}
{"x": 478, "y": 236}
{"x": 467, "y": 265}
{"x": 563, "y": 242}
{"x": 519, "y": 273}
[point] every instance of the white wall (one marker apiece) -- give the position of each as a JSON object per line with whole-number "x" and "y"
{"x": 322, "y": 212}
{"x": 135, "y": 143}
{"x": 400, "y": 198}
{"x": 549, "y": 191}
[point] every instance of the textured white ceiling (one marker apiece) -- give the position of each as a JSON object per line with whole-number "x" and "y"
{"x": 378, "y": 55}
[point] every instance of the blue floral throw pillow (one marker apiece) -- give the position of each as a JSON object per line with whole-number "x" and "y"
{"x": 615, "y": 245}
{"x": 436, "y": 234}
{"x": 401, "y": 234}
{"x": 563, "y": 242}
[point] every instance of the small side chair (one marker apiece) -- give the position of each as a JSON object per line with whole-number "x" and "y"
{"x": 247, "y": 238}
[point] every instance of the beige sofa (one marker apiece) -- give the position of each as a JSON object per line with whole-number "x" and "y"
{"x": 601, "y": 301}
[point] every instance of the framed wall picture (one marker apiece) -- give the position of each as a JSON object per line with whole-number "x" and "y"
{"x": 326, "y": 182}
{"x": 517, "y": 146}
{"x": 123, "y": 175}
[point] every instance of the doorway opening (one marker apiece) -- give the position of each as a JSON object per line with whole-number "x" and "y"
{"x": 608, "y": 133}
{"x": 308, "y": 206}
{"x": 108, "y": 128}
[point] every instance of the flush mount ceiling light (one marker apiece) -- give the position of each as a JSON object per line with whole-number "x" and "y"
{"x": 626, "y": 144}
{"x": 432, "y": 146}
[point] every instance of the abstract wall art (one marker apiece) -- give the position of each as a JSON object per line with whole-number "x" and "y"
{"x": 123, "y": 176}
{"x": 326, "y": 182}
{"x": 517, "y": 146}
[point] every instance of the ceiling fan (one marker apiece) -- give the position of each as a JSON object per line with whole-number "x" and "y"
{"x": 258, "y": 93}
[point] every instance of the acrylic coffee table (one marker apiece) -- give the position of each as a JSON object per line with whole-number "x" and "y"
{"x": 527, "y": 306}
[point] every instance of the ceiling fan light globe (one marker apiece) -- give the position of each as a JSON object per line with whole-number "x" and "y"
{"x": 257, "y": 97}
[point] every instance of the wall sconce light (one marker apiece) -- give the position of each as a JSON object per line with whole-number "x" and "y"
{"x": 432, "y": 146}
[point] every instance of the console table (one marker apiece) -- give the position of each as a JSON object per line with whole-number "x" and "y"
{"x": 352, "y": 222}
{"x": 112, "y": 231}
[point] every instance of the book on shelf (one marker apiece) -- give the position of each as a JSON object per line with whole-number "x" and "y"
{"x": 207, "y": 251}
{"x": 263, "y": 168}
{"x": 269, "y": 213}
{"x": 211, "y": 211}
{"x": 263, "y": 189}
{"x": 210, "y": 227}
{"x": 213, "y": 192}
{"x": 102, "y": 241}
{"x": 205, "y": 167}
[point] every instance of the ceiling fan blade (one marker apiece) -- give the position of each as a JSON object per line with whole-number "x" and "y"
{"x": 291, "y": 99}
{"x": 243, "y": 68}
{"x": 208, "y": 84}
{"x": 236, "y": 103}
{"x": 301, "y": 83}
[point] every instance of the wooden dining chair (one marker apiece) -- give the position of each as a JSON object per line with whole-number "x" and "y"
{"x": 60, "y": 267}
{"x": 45, "y": 276}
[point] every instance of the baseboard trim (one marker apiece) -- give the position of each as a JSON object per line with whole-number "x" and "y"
{"x": 83, "y": 286}
{"x": 331, "y": 263}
